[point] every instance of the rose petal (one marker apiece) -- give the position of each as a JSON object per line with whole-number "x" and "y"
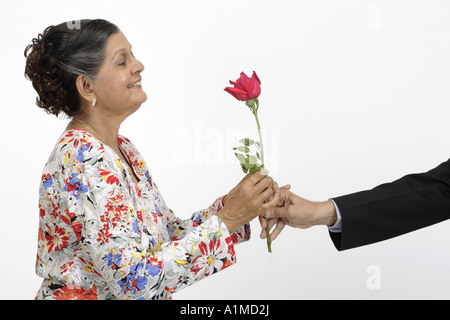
{"x": 254, "y": 88}
{"x": 256, "y": 76}
{"x": 238, "y": 86}
{"x": 238, "y": 94}
{"x": 244, "y": 81}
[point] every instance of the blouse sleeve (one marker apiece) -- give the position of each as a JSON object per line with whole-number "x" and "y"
{"x": 111, "y": 244}
{"x": 178, "y": 228}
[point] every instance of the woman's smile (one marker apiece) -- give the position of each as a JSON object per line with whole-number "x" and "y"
{"x": 137, "y": 84}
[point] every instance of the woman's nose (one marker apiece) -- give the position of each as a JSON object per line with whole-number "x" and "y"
{"x": 138, "y": 66}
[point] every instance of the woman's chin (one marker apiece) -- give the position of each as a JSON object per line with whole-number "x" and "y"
{"x": 143, "y": 96}
{"x": 140, "y": 98}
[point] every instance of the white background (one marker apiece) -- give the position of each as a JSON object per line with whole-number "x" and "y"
{"x": 354, "y": 93}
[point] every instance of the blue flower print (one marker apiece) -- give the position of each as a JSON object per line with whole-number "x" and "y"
{"x": 113, "y": 259}
{"x": 149, "y": 179}
{"x": 135, "y": 227}
{"x": 75, "y": 187}
{"x": 152, "y": 270}
{"x": 47, "y": 180}
{"x": 80, "y": 156}
{"x": 141, "y": 282}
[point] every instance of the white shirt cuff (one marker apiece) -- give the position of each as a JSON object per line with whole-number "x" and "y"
{"x": 337, "y": 227}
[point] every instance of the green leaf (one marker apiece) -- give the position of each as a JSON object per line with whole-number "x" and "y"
{"x": 247, "y": 141}
{"x": 240, "y": 157}
{"x": 243, "y": 149}
{"x": 249, "y": 166}
{"x": 244, "y": 168}
{"x": 252, "y": 160}
{"x": 255, "y": 169}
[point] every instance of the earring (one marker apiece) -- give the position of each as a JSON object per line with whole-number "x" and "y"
{"x": 94, "y": 101}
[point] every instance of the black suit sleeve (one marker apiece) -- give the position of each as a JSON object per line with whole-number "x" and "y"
{"x": 392, "y": 209}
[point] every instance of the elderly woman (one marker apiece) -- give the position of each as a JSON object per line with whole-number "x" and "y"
{"x": 105, "y": 231}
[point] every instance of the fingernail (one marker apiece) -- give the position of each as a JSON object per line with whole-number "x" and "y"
{"x": 264, "y": 172}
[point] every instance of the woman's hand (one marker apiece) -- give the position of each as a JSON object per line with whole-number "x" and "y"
{"x": 253, "y": 196}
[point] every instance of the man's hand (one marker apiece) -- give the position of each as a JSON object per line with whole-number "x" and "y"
{"x": 297, "y": 212}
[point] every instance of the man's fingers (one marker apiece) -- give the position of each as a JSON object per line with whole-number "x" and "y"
{"x": 271, "y": 200}
{"x": 264, "y": 223}
{"x": 277, "y": 212}
{"x": 278, "y": 228}
{"x": 275, "y": 187}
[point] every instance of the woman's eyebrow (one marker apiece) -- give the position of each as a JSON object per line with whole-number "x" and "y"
{"x": 119, "y": 51}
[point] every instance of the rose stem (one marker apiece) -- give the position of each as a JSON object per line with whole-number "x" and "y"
{"x": 269, "y": 242}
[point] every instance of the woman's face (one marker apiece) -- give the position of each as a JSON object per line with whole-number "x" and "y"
{"x": 117, "y": 86}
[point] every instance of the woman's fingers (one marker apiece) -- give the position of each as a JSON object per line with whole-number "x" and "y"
{"x": 256, "y": 177}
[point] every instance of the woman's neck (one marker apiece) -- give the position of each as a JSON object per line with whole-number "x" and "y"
{"x": 105, "y": 131}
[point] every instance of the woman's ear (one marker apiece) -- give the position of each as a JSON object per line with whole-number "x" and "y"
{"x": 85, "y": 89}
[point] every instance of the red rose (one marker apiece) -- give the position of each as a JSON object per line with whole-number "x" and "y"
{"x": 245, "y": 88}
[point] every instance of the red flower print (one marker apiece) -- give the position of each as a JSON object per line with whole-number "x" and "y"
{"x": 139, "y": 215}
{"x": 68, "y": 218}
{"x": 120, "y": 140}
{"x": 171, "y": 290}
{"x": 109, "y": 177}
{"x": 234, "y": 237}
{"x": 230, "y": 242}
{"x": 213, "y": 259}
{"x": 137, "y": 191}
{"x": 74, "y": 292}
{"x": 41, "y": 212}
{"x": 77, "y": 229}
{"x": 114, "y": 210}
{"x": 56, "y": 239}
{"x": 41, "y": 235}
{"x": 103, "y": 236}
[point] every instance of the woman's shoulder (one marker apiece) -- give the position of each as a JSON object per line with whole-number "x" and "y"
{"x": 76, "y": 146}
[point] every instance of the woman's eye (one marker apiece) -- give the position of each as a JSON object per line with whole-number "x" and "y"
{"x": 122, "y": 62}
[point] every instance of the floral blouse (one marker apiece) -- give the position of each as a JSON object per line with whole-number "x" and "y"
{"x": 101, "y": 236}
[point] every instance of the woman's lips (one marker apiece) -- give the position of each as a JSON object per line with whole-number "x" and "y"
{"x": 136, "y": 84}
